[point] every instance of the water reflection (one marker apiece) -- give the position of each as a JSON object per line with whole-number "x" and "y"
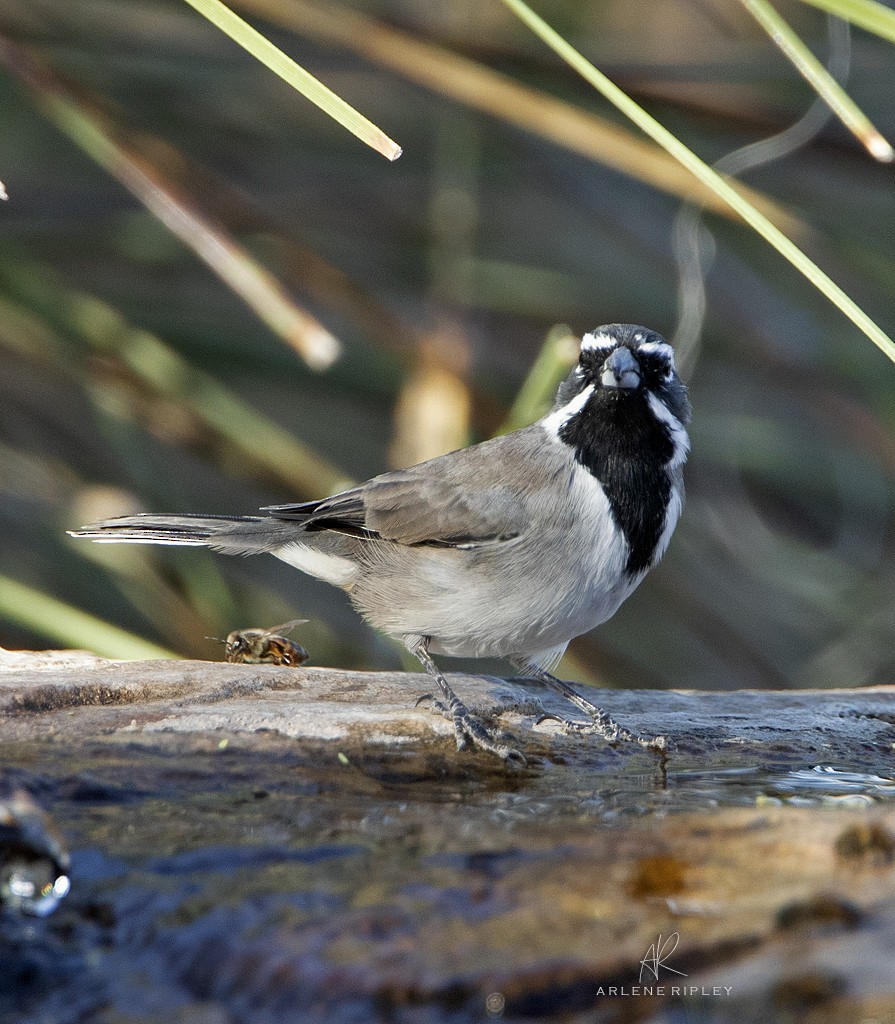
{"x": 696, "y": 789}
{"x": 33, "y": 862}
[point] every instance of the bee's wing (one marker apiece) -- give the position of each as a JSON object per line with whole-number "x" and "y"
{"x": 286, "y": 626}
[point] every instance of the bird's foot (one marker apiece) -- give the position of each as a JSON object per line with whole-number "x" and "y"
{"x": 470, "y": 732}
{"x": 601, "y": 724}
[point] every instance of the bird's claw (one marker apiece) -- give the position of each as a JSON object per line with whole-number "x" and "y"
{"x": 436, "y": 704}
{"x": 614, "y": 734}
{"x": 471, "y": 733}
{"x": 548, "y": 716}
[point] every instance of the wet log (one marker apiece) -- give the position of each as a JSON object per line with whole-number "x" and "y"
{"x": 256, "y": 843}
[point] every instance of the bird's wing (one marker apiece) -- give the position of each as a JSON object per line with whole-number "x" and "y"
{"x": 458, "y": 500}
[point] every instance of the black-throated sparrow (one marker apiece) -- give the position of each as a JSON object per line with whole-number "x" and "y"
{"x": 509, "y": 548}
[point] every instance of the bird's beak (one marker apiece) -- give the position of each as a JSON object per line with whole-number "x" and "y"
{"x": 620, "y": 370}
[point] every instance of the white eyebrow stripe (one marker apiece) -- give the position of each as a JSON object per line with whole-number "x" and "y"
{"x": 560, "y": 417}
{"x": 595, "y": 340}
{"x": 659, "y": 348}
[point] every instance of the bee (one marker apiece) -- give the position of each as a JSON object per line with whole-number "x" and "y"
{"x": 264, "y": 646}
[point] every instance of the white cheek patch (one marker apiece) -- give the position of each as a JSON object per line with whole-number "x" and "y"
{"x": 679, "y": 437}
{"x": 330, "y": 568}
{"x": 560, "y": 417}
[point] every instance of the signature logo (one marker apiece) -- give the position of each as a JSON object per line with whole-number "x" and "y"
{"x": 656, "y": 956}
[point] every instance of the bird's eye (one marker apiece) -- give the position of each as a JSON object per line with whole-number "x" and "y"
{"x": 663, "y": 369}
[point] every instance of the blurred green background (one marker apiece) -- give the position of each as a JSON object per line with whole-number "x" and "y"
{"x": 132, "y": 377}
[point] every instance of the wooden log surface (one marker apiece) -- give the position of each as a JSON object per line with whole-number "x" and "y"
{"x": 258, "y": 843}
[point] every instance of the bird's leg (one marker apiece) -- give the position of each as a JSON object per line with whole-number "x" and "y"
{"x": 600, "y": 722}
{"x": 468, "y": 730}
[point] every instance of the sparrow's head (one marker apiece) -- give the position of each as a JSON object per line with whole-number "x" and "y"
{"x": 623, "y": 368}
{"x": 623, "y": 413}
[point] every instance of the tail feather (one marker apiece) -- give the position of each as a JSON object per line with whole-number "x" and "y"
{"x": 230, "y": 534}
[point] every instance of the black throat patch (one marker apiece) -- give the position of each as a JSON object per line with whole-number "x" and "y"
{"x": 618, "y": 439}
